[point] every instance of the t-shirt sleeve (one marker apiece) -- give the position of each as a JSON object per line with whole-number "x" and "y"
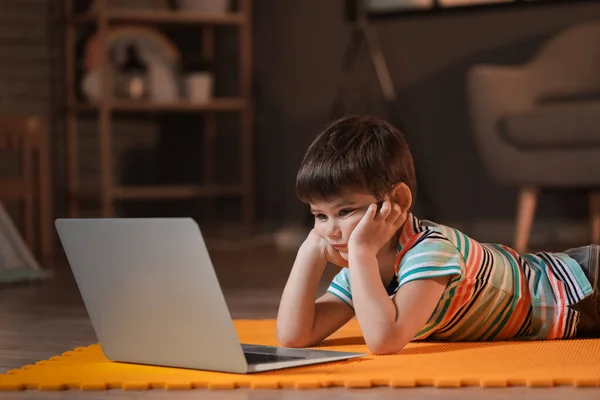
{"x": 340, "y": 287}
{"x": 432, "y": 257}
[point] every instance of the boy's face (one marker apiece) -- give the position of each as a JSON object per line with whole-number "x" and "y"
{"x": 336, "y": 218}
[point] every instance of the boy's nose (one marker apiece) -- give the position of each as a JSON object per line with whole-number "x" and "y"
{"x": 333, "y": 231}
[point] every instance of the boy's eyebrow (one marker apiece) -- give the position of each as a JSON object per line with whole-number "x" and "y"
{"x": 343, "y": 203}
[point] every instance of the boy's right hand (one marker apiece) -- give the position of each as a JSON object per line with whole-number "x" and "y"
{"x": 318, "y": 244}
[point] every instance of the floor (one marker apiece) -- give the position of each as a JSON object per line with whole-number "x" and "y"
{"x": 38, "y": 321}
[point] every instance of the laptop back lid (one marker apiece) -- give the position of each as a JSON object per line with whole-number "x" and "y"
{"x": 151, "y": 292}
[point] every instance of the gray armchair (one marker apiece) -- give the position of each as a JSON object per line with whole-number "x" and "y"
{"x": 537, "y": 125}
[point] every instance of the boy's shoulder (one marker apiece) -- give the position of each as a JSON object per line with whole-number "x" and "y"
{"x": 417, "y": 231}
{"x": 426, "y": 251}
{"x": 424, "y": 238}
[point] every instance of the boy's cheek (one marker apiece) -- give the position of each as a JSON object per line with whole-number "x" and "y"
{"x": 344, "y": 255}
{"x": 355, "y": 222}
{"x": 319, "y": 230}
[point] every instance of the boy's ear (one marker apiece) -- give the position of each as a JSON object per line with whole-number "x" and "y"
{"x": 401, "y": 195}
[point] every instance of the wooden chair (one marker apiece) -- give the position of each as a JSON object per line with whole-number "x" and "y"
{"x": 28, "y": 136}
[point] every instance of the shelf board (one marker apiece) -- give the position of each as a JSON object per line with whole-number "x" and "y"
{"x": 175, "y": 191}
{"x": 164, "y": 17}
{"x": 222, "y": 104}
{"x": 161, "y": 192}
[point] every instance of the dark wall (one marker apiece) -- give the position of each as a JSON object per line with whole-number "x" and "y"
{"x": 298, "y": 55}
{"x": 299, "y": 46}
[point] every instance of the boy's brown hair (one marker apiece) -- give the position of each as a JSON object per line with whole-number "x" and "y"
{"x": 359, "y": 153}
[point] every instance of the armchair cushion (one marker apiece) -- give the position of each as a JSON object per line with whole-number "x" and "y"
{"x": 555, "y": 125}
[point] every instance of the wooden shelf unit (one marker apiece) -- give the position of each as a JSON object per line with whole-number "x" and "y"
{"x": 109, "y": 191}
{"x": 224, "y": 104}
{"x": 163, "y": 17}
{"x": 175, "y": 191}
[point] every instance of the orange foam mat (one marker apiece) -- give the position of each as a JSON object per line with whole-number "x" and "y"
{"x": 493, "y": 364}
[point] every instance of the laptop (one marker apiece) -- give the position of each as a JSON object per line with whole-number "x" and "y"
{"x": 153, "y": 298}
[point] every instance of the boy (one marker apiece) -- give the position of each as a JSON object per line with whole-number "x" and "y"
{"x": 407, "y": 279}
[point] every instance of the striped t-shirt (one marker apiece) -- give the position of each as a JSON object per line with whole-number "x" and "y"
{"x": 493, "y": 293}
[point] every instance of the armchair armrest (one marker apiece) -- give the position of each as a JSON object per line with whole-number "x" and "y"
{"x": 492, "y": 93}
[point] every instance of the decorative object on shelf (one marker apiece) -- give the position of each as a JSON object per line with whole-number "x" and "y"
{"x": 163, "y": 81}
{"x": 198, "y": 81}
{"x": 209, "y": 6}
{"x": 159, "y": 53}
{"x": 132, "y": 76}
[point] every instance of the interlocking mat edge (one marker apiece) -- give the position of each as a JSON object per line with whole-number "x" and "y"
{"x": 444, "y": 365}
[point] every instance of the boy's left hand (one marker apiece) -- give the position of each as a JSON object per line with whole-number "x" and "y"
{"x": 376, "y": 228}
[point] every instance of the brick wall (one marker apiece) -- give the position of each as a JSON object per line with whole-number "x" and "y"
{"x": 24, "y": 57}
{"x": 24, "y": 68}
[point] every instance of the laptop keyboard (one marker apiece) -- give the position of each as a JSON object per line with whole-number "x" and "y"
{"x": 261, "y": 358}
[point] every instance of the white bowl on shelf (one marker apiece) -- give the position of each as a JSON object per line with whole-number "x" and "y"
{"x": 199, "y": 87}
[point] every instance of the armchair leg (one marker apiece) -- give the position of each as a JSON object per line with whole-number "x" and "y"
{"x": 526, "y": 211}
{"x": 595, "y": 216}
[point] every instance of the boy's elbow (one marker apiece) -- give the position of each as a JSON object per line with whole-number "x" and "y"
{"x": 294, "y": 340}
{"x": 384, "y": 349}
{"x": 386, "y": 345}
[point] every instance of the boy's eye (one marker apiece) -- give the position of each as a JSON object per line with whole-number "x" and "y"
{"x": 320, "y": 217}
{"x": 343, "y": 213}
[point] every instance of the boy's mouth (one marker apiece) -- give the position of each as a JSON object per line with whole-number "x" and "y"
{"x": 339, "y": 246}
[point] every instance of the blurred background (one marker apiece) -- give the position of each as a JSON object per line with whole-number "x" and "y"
{"x": 204, "y": 108}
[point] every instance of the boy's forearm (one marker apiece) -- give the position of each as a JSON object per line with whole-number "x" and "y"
{"x": 296, "y": 315}
{"x": 375, "y": 310}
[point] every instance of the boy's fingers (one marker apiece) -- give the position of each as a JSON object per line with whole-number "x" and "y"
{"x": 371, "y": 211}
{"x": 386, "y": 209}
{"x": 399, "y": 219}
{"x": 394, "y": 214}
